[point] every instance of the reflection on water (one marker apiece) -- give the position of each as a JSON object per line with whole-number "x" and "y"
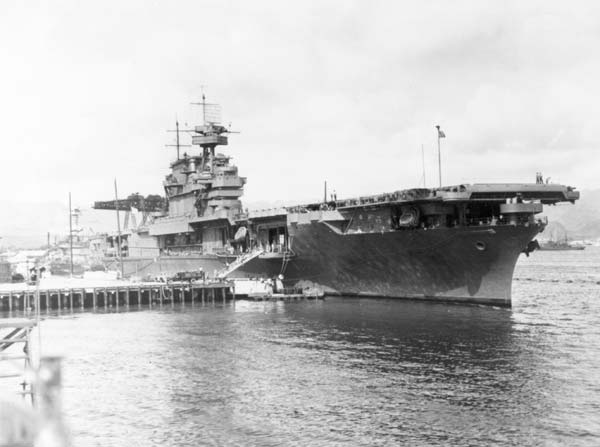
{"x": 342, "y": 371}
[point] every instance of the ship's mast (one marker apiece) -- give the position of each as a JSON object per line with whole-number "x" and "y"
{"x": 177, "y": 130}
{"x": 177, "y": 144}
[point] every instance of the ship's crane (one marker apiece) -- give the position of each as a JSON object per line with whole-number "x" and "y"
{"x": 146, "y": 205}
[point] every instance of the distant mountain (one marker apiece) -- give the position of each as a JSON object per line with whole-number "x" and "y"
{"x": 581, "y": 220}
{"x": 26, "y": 225}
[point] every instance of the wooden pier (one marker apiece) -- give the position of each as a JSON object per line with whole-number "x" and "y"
{"x": 114, "y": 296}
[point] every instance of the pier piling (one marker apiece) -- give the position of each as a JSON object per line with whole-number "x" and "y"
{"x": 23, "y": 298}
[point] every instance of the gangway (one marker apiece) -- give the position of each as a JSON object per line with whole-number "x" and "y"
{"x": 240, "y": 261}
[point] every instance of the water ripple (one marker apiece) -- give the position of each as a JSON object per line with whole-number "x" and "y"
{"x": 344, "y": 371}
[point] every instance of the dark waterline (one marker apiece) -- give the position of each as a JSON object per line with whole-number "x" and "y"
{"x": 344, "y": 371}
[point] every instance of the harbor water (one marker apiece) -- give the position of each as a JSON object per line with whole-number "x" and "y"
{"x": 343, "y": 371}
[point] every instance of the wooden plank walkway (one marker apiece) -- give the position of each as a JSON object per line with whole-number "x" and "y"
{"x": 283, "y": 296}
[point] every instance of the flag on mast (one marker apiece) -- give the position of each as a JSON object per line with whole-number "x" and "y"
{"x": 441, "y": 133}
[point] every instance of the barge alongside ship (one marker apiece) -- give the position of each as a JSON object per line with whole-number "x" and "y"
{"x": 454, "y": 243}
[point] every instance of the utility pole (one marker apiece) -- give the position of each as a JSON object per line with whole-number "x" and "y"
{"x": 441, "y": 135}
{"x": 325, "y": 192}
{"x": 71, "y": 233}
{"x": 118, "y": 229}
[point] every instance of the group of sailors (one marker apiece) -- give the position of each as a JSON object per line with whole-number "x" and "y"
{"x": 274, "y": 285}
{"x": 266, "y": 247}
{"x": 539, "y": 179}
{"x": 272, "y": 247}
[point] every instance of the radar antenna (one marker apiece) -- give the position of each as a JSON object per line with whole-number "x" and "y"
{"x": 177, "y": 145}
{"x": 211, "y": 112}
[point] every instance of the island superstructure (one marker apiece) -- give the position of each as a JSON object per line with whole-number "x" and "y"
{"x": 453, "y": 243}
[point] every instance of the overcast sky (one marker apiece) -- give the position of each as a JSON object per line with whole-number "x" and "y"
{"x": 340, "y": 91}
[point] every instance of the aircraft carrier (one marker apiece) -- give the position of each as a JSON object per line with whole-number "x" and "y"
{"x": 453, "y": 243}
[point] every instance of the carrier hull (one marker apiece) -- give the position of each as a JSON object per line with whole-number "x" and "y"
{"x": 473, "y": 264}
{"x": 451, "y": 243}
{"x": 470, "y": 264}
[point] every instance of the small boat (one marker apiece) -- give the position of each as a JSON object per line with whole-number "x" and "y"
{"x": 560, "y": 245}
{"x": 558, "y": 239}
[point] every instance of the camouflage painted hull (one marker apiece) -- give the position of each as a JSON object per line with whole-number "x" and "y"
{"x": 470, "y": 264}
